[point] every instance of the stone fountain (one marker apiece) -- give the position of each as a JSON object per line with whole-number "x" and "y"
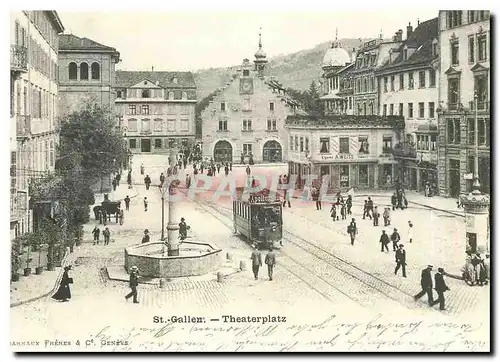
{"x": 183, "y": 259}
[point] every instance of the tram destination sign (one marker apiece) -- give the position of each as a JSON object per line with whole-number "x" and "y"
{"x": 260, "y": 198}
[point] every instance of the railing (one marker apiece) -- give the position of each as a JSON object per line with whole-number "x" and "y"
{"x": 453, "y": 106}
{"x": 387, "y": 150}
{"x": 481, "y": 106}
{"x": 145, "y": 132}
{"x": 18, "y": 58}
{"x": 404, "y": 150}
{"x": 23, "y": 126}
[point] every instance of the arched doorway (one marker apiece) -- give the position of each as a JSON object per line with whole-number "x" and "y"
{"x": 223, "y": 152}
{"x": 272, "y": 152}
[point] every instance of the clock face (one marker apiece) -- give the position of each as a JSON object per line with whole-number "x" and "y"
{"x": 246, "y": 86}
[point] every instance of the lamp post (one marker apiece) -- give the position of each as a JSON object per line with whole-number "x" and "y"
{"x": 172, "y": 226}
{"x": 162, "y": 192}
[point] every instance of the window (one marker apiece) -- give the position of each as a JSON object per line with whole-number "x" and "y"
{"x": 72, "y": 71}
{"x": 453, "y": 93}
{"x": 307, "y": 144}
{"x": 385, "y": 110}
{"x": 172, "y": 109}
{"x": 433, "y": 142}
{"x": 246, "y": 72}
{"x": 271, "y": 124}
{"x": 145, "y": 109}
{"x": 391, "y": 109}
{"x": 481, "y": 90}
{"x": 52, "y": 153}
{"x": 175, "y": 80}
{"x": 386, "y": 144}
{"x": 171, "y": 96}
{"x": 132, "y": 143}
{"x": 454, "y": 53}
{"x": 184, "y": 95}
{"x": 132, "y": 109}
{"x": 344, "y": 145}
{"x": 247, "y": 148}
{"x": 222, "y": 125}
{"x": 146, "y": 125}
{"x": 363, "y": 175}
{"x": 96, "y": 71}
{"x": 483, "y": 135}
{"x": 453, "y": 131}
{"x": 271, "y": 106}
{"x": 401, "y": 109}
{"x": 471, "y": 132}
{"x": 158, "y": 125}
{"x": 119, "y": 94}
{"x": 410, "y": 80}
{"x": 223, "y": 106}
{"x": 301, "y": 144}
{"x": 84, "y": 71}
{"x": 401, "y": 81}
{"x": 471, "y": 49}
{"x": 184, "y": 125}
{"x": 432, "y": 77}
{"x": 431, "y": 110}
{"x": 470, "y": 16}
{"x": 410, "y": 110}
{"x": 291, "y": 143}
{"x": 171, "y": 125}
{"x": 393, "y": 78}
{"x": 324, "y": 145}
{"x": 385, "y": 84}
{"x": 405, "y": 54}
{"x": 146, "y": 93}
{"x": 132, "y": 125}
{"x": 453, "y": 19}
{"x": 421, "y": 79}
{"x": 157, "y": 142}
{"x": 421, "y": 110}
{"x": 482, "y": 48}
{"x": 363, "y": 145}
{"x": 247, "y": 125}
{"x": 434, "y": 49}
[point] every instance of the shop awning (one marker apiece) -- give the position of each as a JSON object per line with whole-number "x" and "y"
{"x": 427, "y": 128}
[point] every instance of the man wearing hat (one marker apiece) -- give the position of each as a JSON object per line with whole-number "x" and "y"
{"x": 400, "y": 260}
{"x": 395, "y": 238}
{"x": 134, "y": 276}
{"x": 183, "y": 228}
{"x": 440, "y": 287}
{"x": 384, "y": 241}
{"x": 426, "y": 284}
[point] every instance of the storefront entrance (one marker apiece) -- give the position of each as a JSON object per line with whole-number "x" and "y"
{"x": 272, "y": 152}
{"x": 454, "y": 178}
{"x": 145, "y": 145}
{"x": 223, "y": 152}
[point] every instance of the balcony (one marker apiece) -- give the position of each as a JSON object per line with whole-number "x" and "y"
{"x": 481, "y": 106}
{"x": 23, "y": 127}
{"x": 18, "y": 58}
{"x": 145, "y": 132}
{"x": 404, "y": 150}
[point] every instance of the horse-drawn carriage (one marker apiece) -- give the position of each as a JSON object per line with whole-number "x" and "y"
{"x": 107, "y": 208}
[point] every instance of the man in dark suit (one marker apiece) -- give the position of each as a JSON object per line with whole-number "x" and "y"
{"x": 426, "y": 283}
{"x": 440, "y": 287}
{"x": 352, "y": 229}
{"x": 134, "y": 281}
{"x": 256, "y": 262}
{"x": 271, "y": 262}
{"x": 384, "y": 241}
{"x": 395, "y": 239}
{"x": 401, "y": 260}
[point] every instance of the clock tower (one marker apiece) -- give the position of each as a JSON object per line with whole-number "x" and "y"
{"x": 260, "y": 60}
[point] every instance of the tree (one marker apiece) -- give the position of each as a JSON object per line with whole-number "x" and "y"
{"x": 90, "y": 140}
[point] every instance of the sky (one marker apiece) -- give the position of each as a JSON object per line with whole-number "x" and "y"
{"x": 187, "y": 41}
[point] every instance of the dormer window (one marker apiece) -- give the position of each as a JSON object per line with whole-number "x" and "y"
{"x": 170, "y": 95}
{"x": 246, "y": 73}
{"x": 184, "y": 96}
{"x": 434, "y": 49}
{"x": 175, "y": 80}
{"x": 146, "y": 93}
{"x": 145, "y": 82}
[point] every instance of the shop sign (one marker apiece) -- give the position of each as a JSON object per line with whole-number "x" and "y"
{"x": 327, "y": 157}
{"x": 344, "y": 156}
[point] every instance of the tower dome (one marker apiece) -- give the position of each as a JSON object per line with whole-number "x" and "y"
{"x": 260, "y": 53}
{"x": 336, "y": 56}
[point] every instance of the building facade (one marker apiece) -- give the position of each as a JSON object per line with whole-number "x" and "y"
{"x": 156, "y": 110}
{"x": 370, "y": 56}
{"x": 86, "y": 73}
{"x": 337, "y": 88}
{"x": 408, "y": 86}
{"x": 353, "y": 151}
{"x": 33, "y": 106}
{"x": 247, "y": 116}
{"x": 464, "y": 98}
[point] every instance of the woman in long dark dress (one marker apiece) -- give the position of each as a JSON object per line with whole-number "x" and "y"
{"x": 63, "y": 294}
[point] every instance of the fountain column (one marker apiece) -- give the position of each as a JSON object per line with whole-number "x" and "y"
{"x": 173, "y": 218}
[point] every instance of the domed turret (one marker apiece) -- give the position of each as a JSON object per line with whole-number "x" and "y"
{"x": 260, "y": 59}
{"x": 336, "y": 56}
{"x": 260, "y": 53}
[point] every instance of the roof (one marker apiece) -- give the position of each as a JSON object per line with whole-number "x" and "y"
{"x": 72, "y": 42}
{"x": 126, "y": 78}
{"x": 56, "y": 20}
{"x": 421, "y": 39}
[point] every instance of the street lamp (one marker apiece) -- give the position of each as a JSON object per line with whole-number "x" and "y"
{"x": 476, "y": 185}
{"x": 162, "y": 189}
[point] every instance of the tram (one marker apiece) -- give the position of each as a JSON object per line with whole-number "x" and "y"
{"x": 259, "y": 218}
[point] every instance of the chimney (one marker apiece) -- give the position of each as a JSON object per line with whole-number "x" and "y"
{"x": 418, "y": 21}
{"x": 152, "y": 69}
{"x": 409, "y": 30}
{"x": 400, "y": 35}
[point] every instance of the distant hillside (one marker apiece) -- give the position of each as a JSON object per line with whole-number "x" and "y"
{"x": 295, "y": 70}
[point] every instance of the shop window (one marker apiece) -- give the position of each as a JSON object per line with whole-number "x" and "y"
{"x": 158, "y": 143}
{"x": 363, "y": 175}
{"x": 344, "y": 175}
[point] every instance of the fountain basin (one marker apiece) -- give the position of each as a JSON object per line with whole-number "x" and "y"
{"x": 195, "y": 258}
